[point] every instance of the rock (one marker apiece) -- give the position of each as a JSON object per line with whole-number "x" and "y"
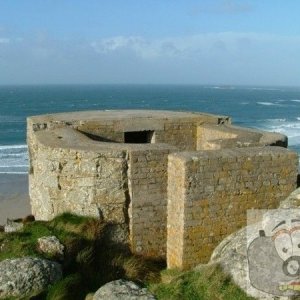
{"x": 122, "y": 289}
{"x": 12, "y": 226}
{"x": 252, "y": 256}
{"x": 25, "y": 277}
{"x": 231, "y": 254}
{"x": 89, "y": 296}
{"x": 292, "y": 201}
{"x": 51, "y": 245}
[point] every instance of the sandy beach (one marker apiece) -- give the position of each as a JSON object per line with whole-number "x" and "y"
{"x": 14, "y": 198}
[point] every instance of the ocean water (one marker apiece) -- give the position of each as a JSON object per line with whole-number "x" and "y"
{"x": 268, "y": 108}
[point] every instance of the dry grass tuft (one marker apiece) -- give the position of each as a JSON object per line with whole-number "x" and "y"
{"x": 93, "y": 229}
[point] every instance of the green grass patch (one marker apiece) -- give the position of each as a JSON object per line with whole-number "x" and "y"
{"x": 23, "y": 243}
{"x": 208, "y": 283}
{"x": 70, "y": 287}
{"x": 92, "y": 260}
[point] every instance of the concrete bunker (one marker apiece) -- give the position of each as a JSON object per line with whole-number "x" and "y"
{"x": 158, "y": 175}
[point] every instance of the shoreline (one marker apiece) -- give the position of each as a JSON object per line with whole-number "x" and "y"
{"x": 14, "y": 197}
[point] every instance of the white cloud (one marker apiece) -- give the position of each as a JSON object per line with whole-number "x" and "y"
{"x": 4, "y": 41}
{"x": 195, "y": 45}
{"x": 224, "y": 57}
{"x": 138, "y": 45}
{"x": 187, "y": 47}
{"x": 115, "y": 43}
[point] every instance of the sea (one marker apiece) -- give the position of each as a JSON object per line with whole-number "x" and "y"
{"x": 275, "y": 109}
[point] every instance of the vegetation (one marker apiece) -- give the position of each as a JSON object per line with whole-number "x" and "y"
{"x": 205, "y": 284}
{"x": 91, "y": 260}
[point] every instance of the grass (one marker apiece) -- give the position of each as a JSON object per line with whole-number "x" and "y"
{"x": 207, "y": 284}
{"x": 91, "y": 260}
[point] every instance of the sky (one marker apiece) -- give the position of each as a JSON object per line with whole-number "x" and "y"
{"x": 230, "y": 42}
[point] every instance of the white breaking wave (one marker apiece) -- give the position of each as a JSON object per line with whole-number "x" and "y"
{"x": 265, "y": 103}
{"x": 269, "y": 104}
{"x": 276, "y": 120}
{"x": 289, "y": 128}
{"x": 13, "y": 159}
{"x": 15, "y": 166}
{"x": 11, "y": 172}
{"x": 5, "y": 147}
{"x": 295, "y": 100}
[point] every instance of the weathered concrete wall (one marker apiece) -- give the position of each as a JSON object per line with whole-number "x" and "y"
{"x": 181, "y": 133}
{"x": 80, "y": 180}
{"x": 212, "y": 137}
{"x": 79, "y": 162}
{"x": 210, "y": 191}
{"x": 148, "y": 179}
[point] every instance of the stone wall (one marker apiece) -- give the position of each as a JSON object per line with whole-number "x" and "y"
{"x": 148, "y": 207}
{"x": 166, "y": 202}
{"x": 181, "y": 133}
{"x": 213, "y": 137}
{"x": 210, "y": 191}
{"x": 83, "y": 181}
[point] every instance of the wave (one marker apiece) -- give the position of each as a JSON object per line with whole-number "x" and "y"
{"x": 222, "y": 87}
{"x": 282, "y": 103}
{"x": 277, "y": 120}
{"x": 262, "y": 89}
{"x": 15, "y": 166}
{"x": 9, "y": 172}
{"x": 268, "y": 103}
{"x": 295, "y": 100}
{"x": 4, "y": 147}
{"x": 13, "y": 159}
{"x": 289, "y": 128}
{"x": 5, "y": 155}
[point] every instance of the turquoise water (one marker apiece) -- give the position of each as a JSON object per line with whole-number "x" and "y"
{"x": 273, "y": 109}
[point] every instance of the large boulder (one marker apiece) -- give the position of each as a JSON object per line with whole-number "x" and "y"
{"x": 231, "y": 254}
{"x": 122, "y": 289}
{"x": 25, "y": 277}
{"x": 263, "y": 258}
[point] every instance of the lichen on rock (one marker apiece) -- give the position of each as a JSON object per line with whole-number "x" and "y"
{"x": 25, "y": 277}
{"x": 122, "y": 289}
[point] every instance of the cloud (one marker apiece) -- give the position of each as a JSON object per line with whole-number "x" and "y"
{"x": 135, "y": 44}
{"x": 115, "y": 43}
{"x": 187, "y": 47}
{"x": 199, "y": 46}
{"x": 221, "y": 57}
{"x": 4, "y": 41}
{"x": 224, "y": 57}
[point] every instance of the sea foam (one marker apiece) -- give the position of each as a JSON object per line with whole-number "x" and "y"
{"x": 13, "y": 159}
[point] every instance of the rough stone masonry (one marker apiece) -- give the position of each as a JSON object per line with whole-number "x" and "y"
{"x": 176, "y": 183}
